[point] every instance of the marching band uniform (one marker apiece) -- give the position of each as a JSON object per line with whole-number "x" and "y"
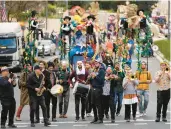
{"x": 97, "y": 83}
{"x": 63, "y": 76}
{"x": 34, "y": 81}
{"x": 24, "y": 97}
{"x": 80, "y": 76}
{"x": 7, "y": 99}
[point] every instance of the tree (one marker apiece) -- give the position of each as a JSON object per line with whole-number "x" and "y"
{"x": 19, "y": 9}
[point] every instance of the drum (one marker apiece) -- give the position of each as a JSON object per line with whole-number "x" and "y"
{"x": 80, "y": 88}
{"x": 56, "y": 90}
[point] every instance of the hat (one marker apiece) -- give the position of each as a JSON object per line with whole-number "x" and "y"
{"x": 67, "y": 17}
{"x": 163, "y": 62}
{"x": 33, "y": 13}
{"x": 91, "y": 16}
{"x": 4, "y": 69}
{"x": 36, "y": 67}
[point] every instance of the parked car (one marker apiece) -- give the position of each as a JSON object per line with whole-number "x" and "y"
{"x": 49, "y": 47}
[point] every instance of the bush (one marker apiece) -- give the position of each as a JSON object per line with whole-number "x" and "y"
{"x": 164, "y": 48}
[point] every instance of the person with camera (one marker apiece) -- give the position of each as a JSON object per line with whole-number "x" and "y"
{"x": 162, "y": 79}
{"x": 24, "y": 97}
{"x": 35, "y": 85}
{"x": 145, "y": 79}
{"x": 7, "y": 84}
{"x": 130, "y": 95}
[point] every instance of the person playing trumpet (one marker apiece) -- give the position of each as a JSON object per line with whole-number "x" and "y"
{"x": 162, "y": 78}
{"x": 130, "y": 95}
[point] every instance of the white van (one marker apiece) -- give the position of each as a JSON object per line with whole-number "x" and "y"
{"x": 10, "y": 45}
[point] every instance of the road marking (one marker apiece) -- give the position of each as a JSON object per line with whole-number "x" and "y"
{"x": 140, "y": 123}
{"x": 22, "y": 126}
{"x": 53, "y": 125}
{"x": 167, "y": 123}
{"x": 111, "y": 124}
{"x": 79, "y": 125}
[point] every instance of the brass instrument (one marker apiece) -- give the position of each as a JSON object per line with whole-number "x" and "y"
{"x": 41, "y": 87}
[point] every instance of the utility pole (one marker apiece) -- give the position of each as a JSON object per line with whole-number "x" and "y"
{"x": 67, "y": 7}
{"x": 46, "y": 14}
{"x": 169, "y": 20}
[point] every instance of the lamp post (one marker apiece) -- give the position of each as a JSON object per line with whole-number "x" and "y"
{"x": 46, "y": 14}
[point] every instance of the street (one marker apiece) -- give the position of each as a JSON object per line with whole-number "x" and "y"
{"x": 146, "y": 122}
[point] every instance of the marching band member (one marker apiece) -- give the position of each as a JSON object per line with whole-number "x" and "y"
{"x": 34, "y": 82}
{"x": 50, "y": 97}
{"x": 106, "y": 92}
{"x": 163, "y": 94}
{"x": 118, "y": 89}
{"x": 130, "y": 95}
{"x": 145, "y": 79}
{"x": 24, "y": 97}
{"x": 80, "y": 75}
{"x": 97, "y": 82}
{"x": 63, "y": 76}
{"x": 46, "y": 94}
{"x": 7, "y": 84}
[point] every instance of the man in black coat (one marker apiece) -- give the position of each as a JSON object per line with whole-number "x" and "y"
{"x": 7, "y": 99}
{"x": 35, "y": 80}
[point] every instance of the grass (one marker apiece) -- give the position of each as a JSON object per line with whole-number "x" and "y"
{"x": 164, "y": 48}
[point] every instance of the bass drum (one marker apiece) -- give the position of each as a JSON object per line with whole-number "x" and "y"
{"x": 56, "y": 90}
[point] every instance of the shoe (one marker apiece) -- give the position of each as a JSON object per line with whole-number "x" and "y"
{"x": 157, "y": 119}
{"x": 3, "y": 126}
{"x": 12, "y": 126}
{"x": 17, "y": 119}
{"x": 47, "y": 123}
{"x": 83, "y": 119}
{"x": 60, "y": 116}
{"x": 144, "y": 113}
{"x": 128, "y": 120}
{"x": 98, "y": 122}
{"x": 134, "y": 118}
{"x": 164, "y": 119}
{"x": 76, "y": 120}
{"x": 88, "y": 115}
{"x": 141, "y": 114}
{"x": 107, "y": 116}
{"x": 32, "y": 125}
{"x": 65, "y": 116}
{"x": 112, "y": 121}
{"x": 54, "y": 119}
{"x": 95, "y": 120}
{"x": 118, "y": 114}
{"x": 37, "y": 121}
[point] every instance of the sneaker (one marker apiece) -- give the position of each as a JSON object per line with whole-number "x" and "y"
{"x": 118, "y": 114}
{"x": 83, "y": 119}
{"x": 17, "y": 119}
{"x": 98, "y": 122}
{"x": 54, "y": 119}
{"x": 144, "y": 113}
{"x": 3, "y": 126}
{"x": 112, "y": 121}
{"x": 141, "y": 114}
{"x": 92, "y": 122}
{"x": 37, "y": 121}
{"x": 32, "y": 125}
{"x": 76, "y": 120}
{"x": 47, "y": 123}
{"x": 128, "y": 120}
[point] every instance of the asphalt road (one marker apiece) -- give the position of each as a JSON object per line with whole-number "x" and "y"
{"x": 146, "y": 122}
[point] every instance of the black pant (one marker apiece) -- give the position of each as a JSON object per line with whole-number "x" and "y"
{"x": 36, "y": 33}
{"x": 48, "y": 97}
{"x": 79, "y": 98}
{"x": 35, "y": 101}
{"x": 64, "y": 98}
{"x": 96, "y": 99}
{"x": 163, "y": 98}
{"x": 88, "y": 103}
{"x": 106, "y": 102}
{"x": 128, "y": 110}
{"x": 8, "y": 108}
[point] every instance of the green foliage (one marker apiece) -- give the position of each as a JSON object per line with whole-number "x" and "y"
{"x": 164, "y": 47}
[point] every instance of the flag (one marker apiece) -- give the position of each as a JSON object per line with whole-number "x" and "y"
{"x": 3, "y": 12}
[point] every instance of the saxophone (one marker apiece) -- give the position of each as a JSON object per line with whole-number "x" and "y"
{"x": 41, "y": 87}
